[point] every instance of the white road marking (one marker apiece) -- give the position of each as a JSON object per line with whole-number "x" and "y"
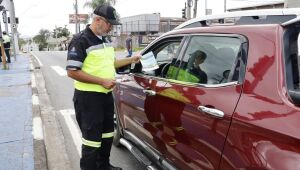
{"x": 35, "y": 99}
{"x": 37, "y": 130}
{"x": 75, "y": 133}
{"x": 40, "y": 63}
{"x": 33, "y": 83}
{"x": 60, "y": 71}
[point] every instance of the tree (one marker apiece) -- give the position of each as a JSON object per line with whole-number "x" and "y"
{"x": 94, "y": 3}
{"x": 41, "y": 38}
{"x": 21, "y": 42}
{"x": 60, "y": 32}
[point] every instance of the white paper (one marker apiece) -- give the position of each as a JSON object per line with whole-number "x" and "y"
{"x": 149, "y": 62}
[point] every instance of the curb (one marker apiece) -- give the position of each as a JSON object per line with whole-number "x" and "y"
{"x": 50, "y": 151}
{"x": 40, "y": 160}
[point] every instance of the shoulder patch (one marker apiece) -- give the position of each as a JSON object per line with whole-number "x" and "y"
{"x": 73, "y": 52}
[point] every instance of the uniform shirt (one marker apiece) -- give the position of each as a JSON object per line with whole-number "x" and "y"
{"x": 6, "y": 41}
{"x": 199, "y": 73}
{"x": 77, "y": 50}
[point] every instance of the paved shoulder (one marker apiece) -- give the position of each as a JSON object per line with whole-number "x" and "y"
{"x": 16, "y": 140}
{"x": 56, "y": 155}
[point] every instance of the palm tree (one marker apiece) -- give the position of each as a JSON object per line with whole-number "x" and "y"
{"x": 94, "y": 3}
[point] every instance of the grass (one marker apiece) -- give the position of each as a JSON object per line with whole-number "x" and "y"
{"x": 124, "y": 49}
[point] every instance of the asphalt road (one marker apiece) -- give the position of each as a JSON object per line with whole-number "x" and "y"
{"x": 60, "y": 90}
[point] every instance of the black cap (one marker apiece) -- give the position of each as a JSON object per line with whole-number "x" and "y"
{"x": 108, "y": 12}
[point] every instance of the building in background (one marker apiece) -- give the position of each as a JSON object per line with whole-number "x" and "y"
{"x": 269, "y": 5}
{"x": 29, "y": 46}
{"x": 261, "y": 5}
{"x": 169, "y": 23}
{"x": 291, "y": 3}
{"x": 143, "y": 24}
{"x": 145, "y": 28}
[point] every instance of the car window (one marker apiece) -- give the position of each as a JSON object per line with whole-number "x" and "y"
{"x": 209, "y": 59}
{"x": 165, "y": 51}
{"x": 292, "y": 57}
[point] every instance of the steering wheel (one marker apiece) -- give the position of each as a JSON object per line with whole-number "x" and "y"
{"x": 164, "y": 69}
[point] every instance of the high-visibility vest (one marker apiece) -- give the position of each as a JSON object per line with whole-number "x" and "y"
{"x": 183, "y": 75}
{"x": 99, "y": 62}
{"x": 6, "y": 39}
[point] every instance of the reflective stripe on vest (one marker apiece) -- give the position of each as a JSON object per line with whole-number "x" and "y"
{"x": 91, "y": 143}
{"x": 99, "y": 62}
{"x": 108, "y": 135}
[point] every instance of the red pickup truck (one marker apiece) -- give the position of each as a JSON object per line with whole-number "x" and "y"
{"x": 225, "y": 96}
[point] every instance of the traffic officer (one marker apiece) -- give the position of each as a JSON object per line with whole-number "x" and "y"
{"x": 6, "y": 44}
{"x": 91, "y": 63}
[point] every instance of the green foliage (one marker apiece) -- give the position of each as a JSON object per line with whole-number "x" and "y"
{"x": 94, "y": 3}
{"x": 41, "y": 38}
{"x": 135, "y": 49}
{"x": 60, "y": 32}
{"x": 21, "y": 42}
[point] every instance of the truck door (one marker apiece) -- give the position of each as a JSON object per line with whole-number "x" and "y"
{"x": 195, "y": 107}
{"x": 137, "y": 93}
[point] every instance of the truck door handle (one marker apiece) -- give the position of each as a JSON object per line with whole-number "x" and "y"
{"x": 149, "y": 92}
{"x": 213, "y": 112}
{"x": 124, "y": 80}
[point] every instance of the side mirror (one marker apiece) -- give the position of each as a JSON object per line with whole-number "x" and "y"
{"x": 123, "y": 70}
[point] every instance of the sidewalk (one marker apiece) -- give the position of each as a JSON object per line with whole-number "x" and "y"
{"x": 30, "y": 136}
{"x": 16, "y": 139}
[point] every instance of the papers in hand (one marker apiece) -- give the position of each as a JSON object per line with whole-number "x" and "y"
{"x": 148, "y": 62}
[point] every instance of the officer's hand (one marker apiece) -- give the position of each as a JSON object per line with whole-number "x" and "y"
{"x": 109, "y": 83}
{"x": 135, "y": 59}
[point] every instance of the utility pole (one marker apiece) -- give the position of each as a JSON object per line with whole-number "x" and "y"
{"x": 205, "y": 7}
{"x": 4, "y": 15}
{"x": 2, "y": 51}
{"x": 76, "y": 17}
{"x": 225, "y": 6}
{"x": 188, "y": 9}
{"x": 3, "y": 55}
{"x": 14, "y": 32}
{"x": 195, "y": 9}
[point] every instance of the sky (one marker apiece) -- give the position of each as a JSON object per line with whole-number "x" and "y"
{"x": 35, "y": 15}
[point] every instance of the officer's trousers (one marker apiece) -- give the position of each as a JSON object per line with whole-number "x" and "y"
{"x": 7, "y": 55}
{"x": 94, "y": 114}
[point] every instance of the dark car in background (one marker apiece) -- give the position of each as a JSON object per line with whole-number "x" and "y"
{"x": 245, "y": 115}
